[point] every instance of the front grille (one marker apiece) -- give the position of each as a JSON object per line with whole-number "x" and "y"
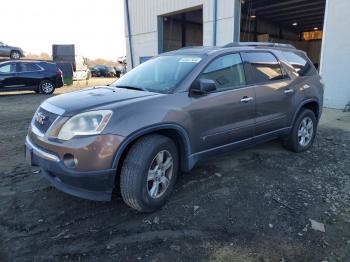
{"x": 47, "y": 119}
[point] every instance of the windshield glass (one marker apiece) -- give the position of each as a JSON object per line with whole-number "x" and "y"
{"x": 160, "y": 74}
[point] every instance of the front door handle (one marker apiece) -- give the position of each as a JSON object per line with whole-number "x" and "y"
{"x": 287, "y": 91}
{"x": 246, "y": 99}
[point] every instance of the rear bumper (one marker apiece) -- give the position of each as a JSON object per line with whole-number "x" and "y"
{"x": 59, "y": 83}
{"x": 92, "y": 185}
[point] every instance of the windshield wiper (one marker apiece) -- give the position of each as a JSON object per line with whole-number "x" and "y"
{"x": 132, "y": 88}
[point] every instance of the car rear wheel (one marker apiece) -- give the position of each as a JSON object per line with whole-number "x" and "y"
{"x": 15, "y": 55}
{"x": 149, "y": 173}
{"x": 303, "y": 132}
{"x": 46, "y": 87}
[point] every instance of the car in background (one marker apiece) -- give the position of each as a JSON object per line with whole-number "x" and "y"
{"x": 102, "y": 69}
{"x": 106, "y": 71}
{"x": 111, "y": 72}
{"x": 94, "y": 72}
{"x": 12, "y": 52}
{"x": 39, "y": 76}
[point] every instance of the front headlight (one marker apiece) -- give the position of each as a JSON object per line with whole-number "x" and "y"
{"x": 88, "y": 123}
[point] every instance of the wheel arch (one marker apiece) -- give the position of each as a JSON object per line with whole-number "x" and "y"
{"x": 175, "y": 132}
{"x": 311, "y": 104}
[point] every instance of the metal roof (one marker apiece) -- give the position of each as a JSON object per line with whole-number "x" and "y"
{"x": 307, "y": 13}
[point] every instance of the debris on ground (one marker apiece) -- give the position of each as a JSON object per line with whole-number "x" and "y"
{"x": 317, "y": 226}
{"x": 156, "y": 220}
{"x": 195, "y": 209}
{"x": 218, "y": 174}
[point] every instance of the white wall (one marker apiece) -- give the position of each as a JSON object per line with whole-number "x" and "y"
{"x": 144, "y": 23}
{"x": 335, "y": 56}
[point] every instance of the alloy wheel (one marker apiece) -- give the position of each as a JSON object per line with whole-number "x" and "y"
{"x": 47, "y": 87}
{"x": 15, "y": 55}
{"x": 160, "y": 174}
{"x": 305, "y": 131}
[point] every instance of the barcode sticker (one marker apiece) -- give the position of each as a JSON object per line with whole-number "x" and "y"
{"x": 190, "y": 60}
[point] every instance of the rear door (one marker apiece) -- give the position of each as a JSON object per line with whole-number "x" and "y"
{"x": 30, "y": 75}
{"x": 273, "y": 91}
{"x": 226, "y": 115}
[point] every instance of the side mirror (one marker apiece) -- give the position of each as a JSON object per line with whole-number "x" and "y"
{"x": 203, "y": 86}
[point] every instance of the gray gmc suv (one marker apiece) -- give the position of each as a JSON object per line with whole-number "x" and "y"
{"x": 168, "y": 113}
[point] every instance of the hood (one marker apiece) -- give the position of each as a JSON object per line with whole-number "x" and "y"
{"x": 91, "y": 98}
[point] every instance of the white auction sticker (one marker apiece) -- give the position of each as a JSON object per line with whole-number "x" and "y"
{"x": 190, "y": 60}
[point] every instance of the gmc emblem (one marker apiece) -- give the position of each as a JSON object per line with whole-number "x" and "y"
{"x": 40, "y": 118}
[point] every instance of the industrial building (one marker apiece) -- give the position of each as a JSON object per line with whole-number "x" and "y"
{"x": 319, "y": 27}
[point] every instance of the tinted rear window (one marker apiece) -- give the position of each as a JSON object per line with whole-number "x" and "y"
{"x": 49, "y": 66}
{"x": 300, "y": 63}
{"x": 30, "y": 67}
{"x": 263, "y": 67}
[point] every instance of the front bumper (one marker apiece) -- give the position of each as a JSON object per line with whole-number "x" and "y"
{"x": 94, "y": 185}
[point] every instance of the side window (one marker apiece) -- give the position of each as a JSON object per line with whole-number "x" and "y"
{"x": 300, "y": 63}
{"x": 226, "y": 71}
{"x": 30, "y": 67}
{"x": 264, "y": 67}
{"x": 8, "y": 68}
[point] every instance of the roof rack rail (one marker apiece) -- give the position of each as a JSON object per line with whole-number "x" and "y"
{"x": 268, "y": 44}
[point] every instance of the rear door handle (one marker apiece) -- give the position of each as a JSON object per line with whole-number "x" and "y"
{"x": 287, "y": 91}
{"x": 246, "y": 99}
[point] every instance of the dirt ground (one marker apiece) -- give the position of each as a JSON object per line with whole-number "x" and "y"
{"x": 254, "y": 205}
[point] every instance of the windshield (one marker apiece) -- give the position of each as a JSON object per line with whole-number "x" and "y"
{"x": 160, "y": 74}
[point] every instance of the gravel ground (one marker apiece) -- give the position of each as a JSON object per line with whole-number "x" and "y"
{"x": 254, "y": 205}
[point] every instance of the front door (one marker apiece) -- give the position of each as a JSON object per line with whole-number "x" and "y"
{"x": 8, "y": 76}
{"x": 225, "y": 116}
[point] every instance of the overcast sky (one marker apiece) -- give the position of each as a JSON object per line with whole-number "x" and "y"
{"x": 95, "y": 27}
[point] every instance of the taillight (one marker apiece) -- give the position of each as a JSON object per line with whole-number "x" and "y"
{"x": 59, "y": 72}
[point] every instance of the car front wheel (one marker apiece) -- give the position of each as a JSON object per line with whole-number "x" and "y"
{"x": 149, "y": 173}
{"x": 46, "y": 87}
{"x": 303, "y": 132}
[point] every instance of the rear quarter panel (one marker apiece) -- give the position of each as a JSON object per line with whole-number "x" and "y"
{"x": 306, "y": 88}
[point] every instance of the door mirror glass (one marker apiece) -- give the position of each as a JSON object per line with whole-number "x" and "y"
{"x": 203, "y": 86}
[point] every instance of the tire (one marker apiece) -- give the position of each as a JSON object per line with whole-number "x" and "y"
{"x": 15, "y": 55}
{"x": 294, "y": 141}
{"x": 137, "y": 187}
{"x": 46, "y": 87}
